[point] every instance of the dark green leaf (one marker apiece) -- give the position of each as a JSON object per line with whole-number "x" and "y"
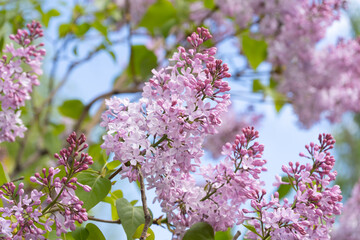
{"x": 200, "y": 231}
{"x": 71, "y": 108}
{"x": 80, "y": 233}
{"x": 94, "y": 232}
{"x": 157, "y": 17}
{"x": 284, "y": 189}
{"x": 142, "y": 61}
{"x": 131, "y": 217}
{"x": 255, "y": 50}
{"x": 100, "y": 187}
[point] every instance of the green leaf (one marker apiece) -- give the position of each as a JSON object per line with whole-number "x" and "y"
{"x": 209, "y": 4}
{"x": 139, "y": 230}
{"x": 200, "y": 231}
{"x": 255, "y": 50}
{"x": 252, "y": 229}
{"x": 142, "y": 61}
{"x": 71, "y": 108}
{"x": 112, "y": 165}
{"x": 100, "y": 187}
{"x": 284, "y": 189}
{"x": 94, "y": 232}
{"x": 80, "y": 233}
{"x": 101, "y": 28}
{"x": 131, "y": 217}
{"x": 82, "y": 29}
{"x": 52, "y": 142}
{"x": 4, "y": 178}
{"x": 64, "y": 29}
{"x": 157, "y": 17}
{"x": 117, "y": 194}
{"x": 257, "y": 86}
{"x": 46, "y": 17}
{"x": 1, "y": 43}
{"x": 224, "y": 235}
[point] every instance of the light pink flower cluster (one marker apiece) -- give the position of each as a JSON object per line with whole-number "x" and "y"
{"x": 292, "y": 30}
{"x": 230, "y": 127}
{"x": 165, "y": 130}
{"x": 17, "y": 81}
{"x": 349, "y": 226}
{"x": 312, "y": 212}
{"x": 31, "y": 216}
{"x": 162, "y": 135}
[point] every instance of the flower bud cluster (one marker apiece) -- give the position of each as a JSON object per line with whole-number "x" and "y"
{"x": 312, "y": 212}
{"x": 55, "y": 203}
{"x": 16, "y": 82}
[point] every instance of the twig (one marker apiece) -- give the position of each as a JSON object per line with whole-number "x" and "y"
{"x": 115, "y": 173}
{"x": 103, "y": 220}
{"x": 89, "y": 105}
{"x": 237, "y": 235}
{"x": 145, "y": 208}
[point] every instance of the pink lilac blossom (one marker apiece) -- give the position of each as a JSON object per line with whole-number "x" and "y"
{"x": 349, "y": 224}
{"x": 292, "y": 30}
{"x": 16, "y": 83}
{"x": 164, "y": 131}
{"x": 163, "y": 134}
{"x": 315, "y": 204}
{"x": 31, "y": 216}
{"x": 230, "y": 127}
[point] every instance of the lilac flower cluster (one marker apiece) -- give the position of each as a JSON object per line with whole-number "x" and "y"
{"x": 16, "y": 82}
{"x": 292, "y": 30}
{"x": 31, "y": 216}
{"x": 312, "y": 212}
{"x": 162, "y": 135}
{"x": 165, "y": 130}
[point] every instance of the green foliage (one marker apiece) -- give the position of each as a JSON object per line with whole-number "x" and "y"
{"x": 137, "y": 234}
{"x": 284, "y": 189}
{"x": 94, "y": 232}
{"x": 131, "y": 217}
{"x": 252, "y": 229}
{"x": 159, "y": 18}
{"x": 255, "y": 50}
{"x": 200, "y": 231}
{"x": 278, "y": 98}
{"x": 142, "y": 61}
{"x": 226, "y": 235}
{"x": 100, "y": 187}
{"x": 80, "y": 233}
{"x": 71, "y": 108}
{"x": 46, "y": 17}
{"x": 209, "y": 4}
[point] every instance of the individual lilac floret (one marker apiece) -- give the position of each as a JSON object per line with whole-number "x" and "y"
{"x": 312, "y": 212}
{"x": 56, "y": 201}
{"x": 16, "y": 83}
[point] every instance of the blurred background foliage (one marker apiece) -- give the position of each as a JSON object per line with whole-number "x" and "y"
{"x": 79, "y": 31}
